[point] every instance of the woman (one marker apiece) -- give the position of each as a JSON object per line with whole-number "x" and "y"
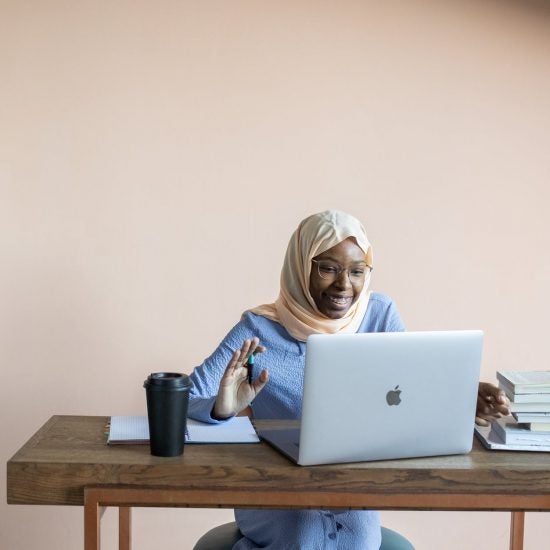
{"x": 324, "y": 289}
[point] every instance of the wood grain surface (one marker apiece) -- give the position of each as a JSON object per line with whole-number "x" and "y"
{"x": 69, "y": 453}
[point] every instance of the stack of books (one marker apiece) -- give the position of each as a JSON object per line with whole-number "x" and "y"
{"x": 529, "y": 395}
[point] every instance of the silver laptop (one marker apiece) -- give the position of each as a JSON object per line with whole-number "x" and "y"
{"x": 378, "y": 396}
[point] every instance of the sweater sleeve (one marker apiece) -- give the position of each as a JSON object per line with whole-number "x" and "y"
{"x": 206, "y": 377}
{"x": 393, "y": 321}
{"x": 382, "y": 316}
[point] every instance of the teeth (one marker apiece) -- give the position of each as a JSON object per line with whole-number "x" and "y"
{"x": 339, "y": 300}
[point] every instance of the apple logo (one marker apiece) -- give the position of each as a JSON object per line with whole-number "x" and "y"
{"x": 393, "y": 396}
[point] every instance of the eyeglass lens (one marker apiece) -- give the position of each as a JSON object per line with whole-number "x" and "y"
{"x": 331, "y": 271}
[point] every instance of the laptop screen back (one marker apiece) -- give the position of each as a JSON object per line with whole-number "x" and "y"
{"x": 389, "y": 395}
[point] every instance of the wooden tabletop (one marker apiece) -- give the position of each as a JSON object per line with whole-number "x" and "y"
{"x": 70, "y": 453}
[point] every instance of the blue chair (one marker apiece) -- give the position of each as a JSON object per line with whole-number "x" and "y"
{"x": 225, "y": 536}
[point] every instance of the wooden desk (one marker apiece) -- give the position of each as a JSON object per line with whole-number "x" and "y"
{"x": 68, "y": 463}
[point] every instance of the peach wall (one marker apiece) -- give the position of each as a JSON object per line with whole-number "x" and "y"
{"x": 155, "y": 157}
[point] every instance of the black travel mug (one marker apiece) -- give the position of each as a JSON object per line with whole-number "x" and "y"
{"x": 167, "y": 399}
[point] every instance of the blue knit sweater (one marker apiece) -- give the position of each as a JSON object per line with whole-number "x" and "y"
{"x": 281, "y": 399}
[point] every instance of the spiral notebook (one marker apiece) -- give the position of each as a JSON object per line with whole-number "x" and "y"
{"x": 128, "y": 430}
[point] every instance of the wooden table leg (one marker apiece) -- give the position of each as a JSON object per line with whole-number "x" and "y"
{"x": 92, "y": 521}
{"x": 124, "y": 528}
{"x": 516, "y": 530}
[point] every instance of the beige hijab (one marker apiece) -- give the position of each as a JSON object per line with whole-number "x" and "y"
{"x": 295, "y": 308}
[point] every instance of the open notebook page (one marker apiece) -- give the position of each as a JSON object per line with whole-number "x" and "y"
{"x": 135, "y": 429}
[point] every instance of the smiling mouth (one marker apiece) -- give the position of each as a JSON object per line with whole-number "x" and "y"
{"x": 339, "y": 301}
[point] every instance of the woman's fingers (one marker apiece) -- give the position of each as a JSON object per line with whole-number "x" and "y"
{"x": 492, "y": 402}
{"x": 248, "y": 348}
{"x": 236, "y": 370}
{"x": 480, "y": 421}
{"x": 235, "y": 393}
{"x": 233, "y": 363}
{"x": 260, "y": 382}
{"x": 483, "y": 406}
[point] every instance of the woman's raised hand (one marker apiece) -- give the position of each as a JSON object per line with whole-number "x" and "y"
{"x": 236, "y": 392}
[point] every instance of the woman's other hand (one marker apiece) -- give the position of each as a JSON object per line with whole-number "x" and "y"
{"x": 235, "y": 392}
{"x": 491, "y": 403}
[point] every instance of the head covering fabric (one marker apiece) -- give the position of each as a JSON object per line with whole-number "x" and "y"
{"x": 295, "y": 308}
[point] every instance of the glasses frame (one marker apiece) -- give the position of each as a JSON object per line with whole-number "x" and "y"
{"x": 340, "y": 269}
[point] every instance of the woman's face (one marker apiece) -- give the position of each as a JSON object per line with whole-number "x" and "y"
{"x": 334, "y": 293}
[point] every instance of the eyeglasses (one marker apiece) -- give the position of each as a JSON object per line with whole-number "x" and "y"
{"x": 331, "y": 271}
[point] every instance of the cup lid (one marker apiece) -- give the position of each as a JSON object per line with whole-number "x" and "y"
{"x": 168, "y": 380}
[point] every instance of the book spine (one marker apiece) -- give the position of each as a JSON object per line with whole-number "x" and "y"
{"x": 519, "y": 383}
{"x": 539, "y": 427}
{"x": 526, "y": 397}
{"x": 529, "y": 407}
{"x": 531, "y": 417}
